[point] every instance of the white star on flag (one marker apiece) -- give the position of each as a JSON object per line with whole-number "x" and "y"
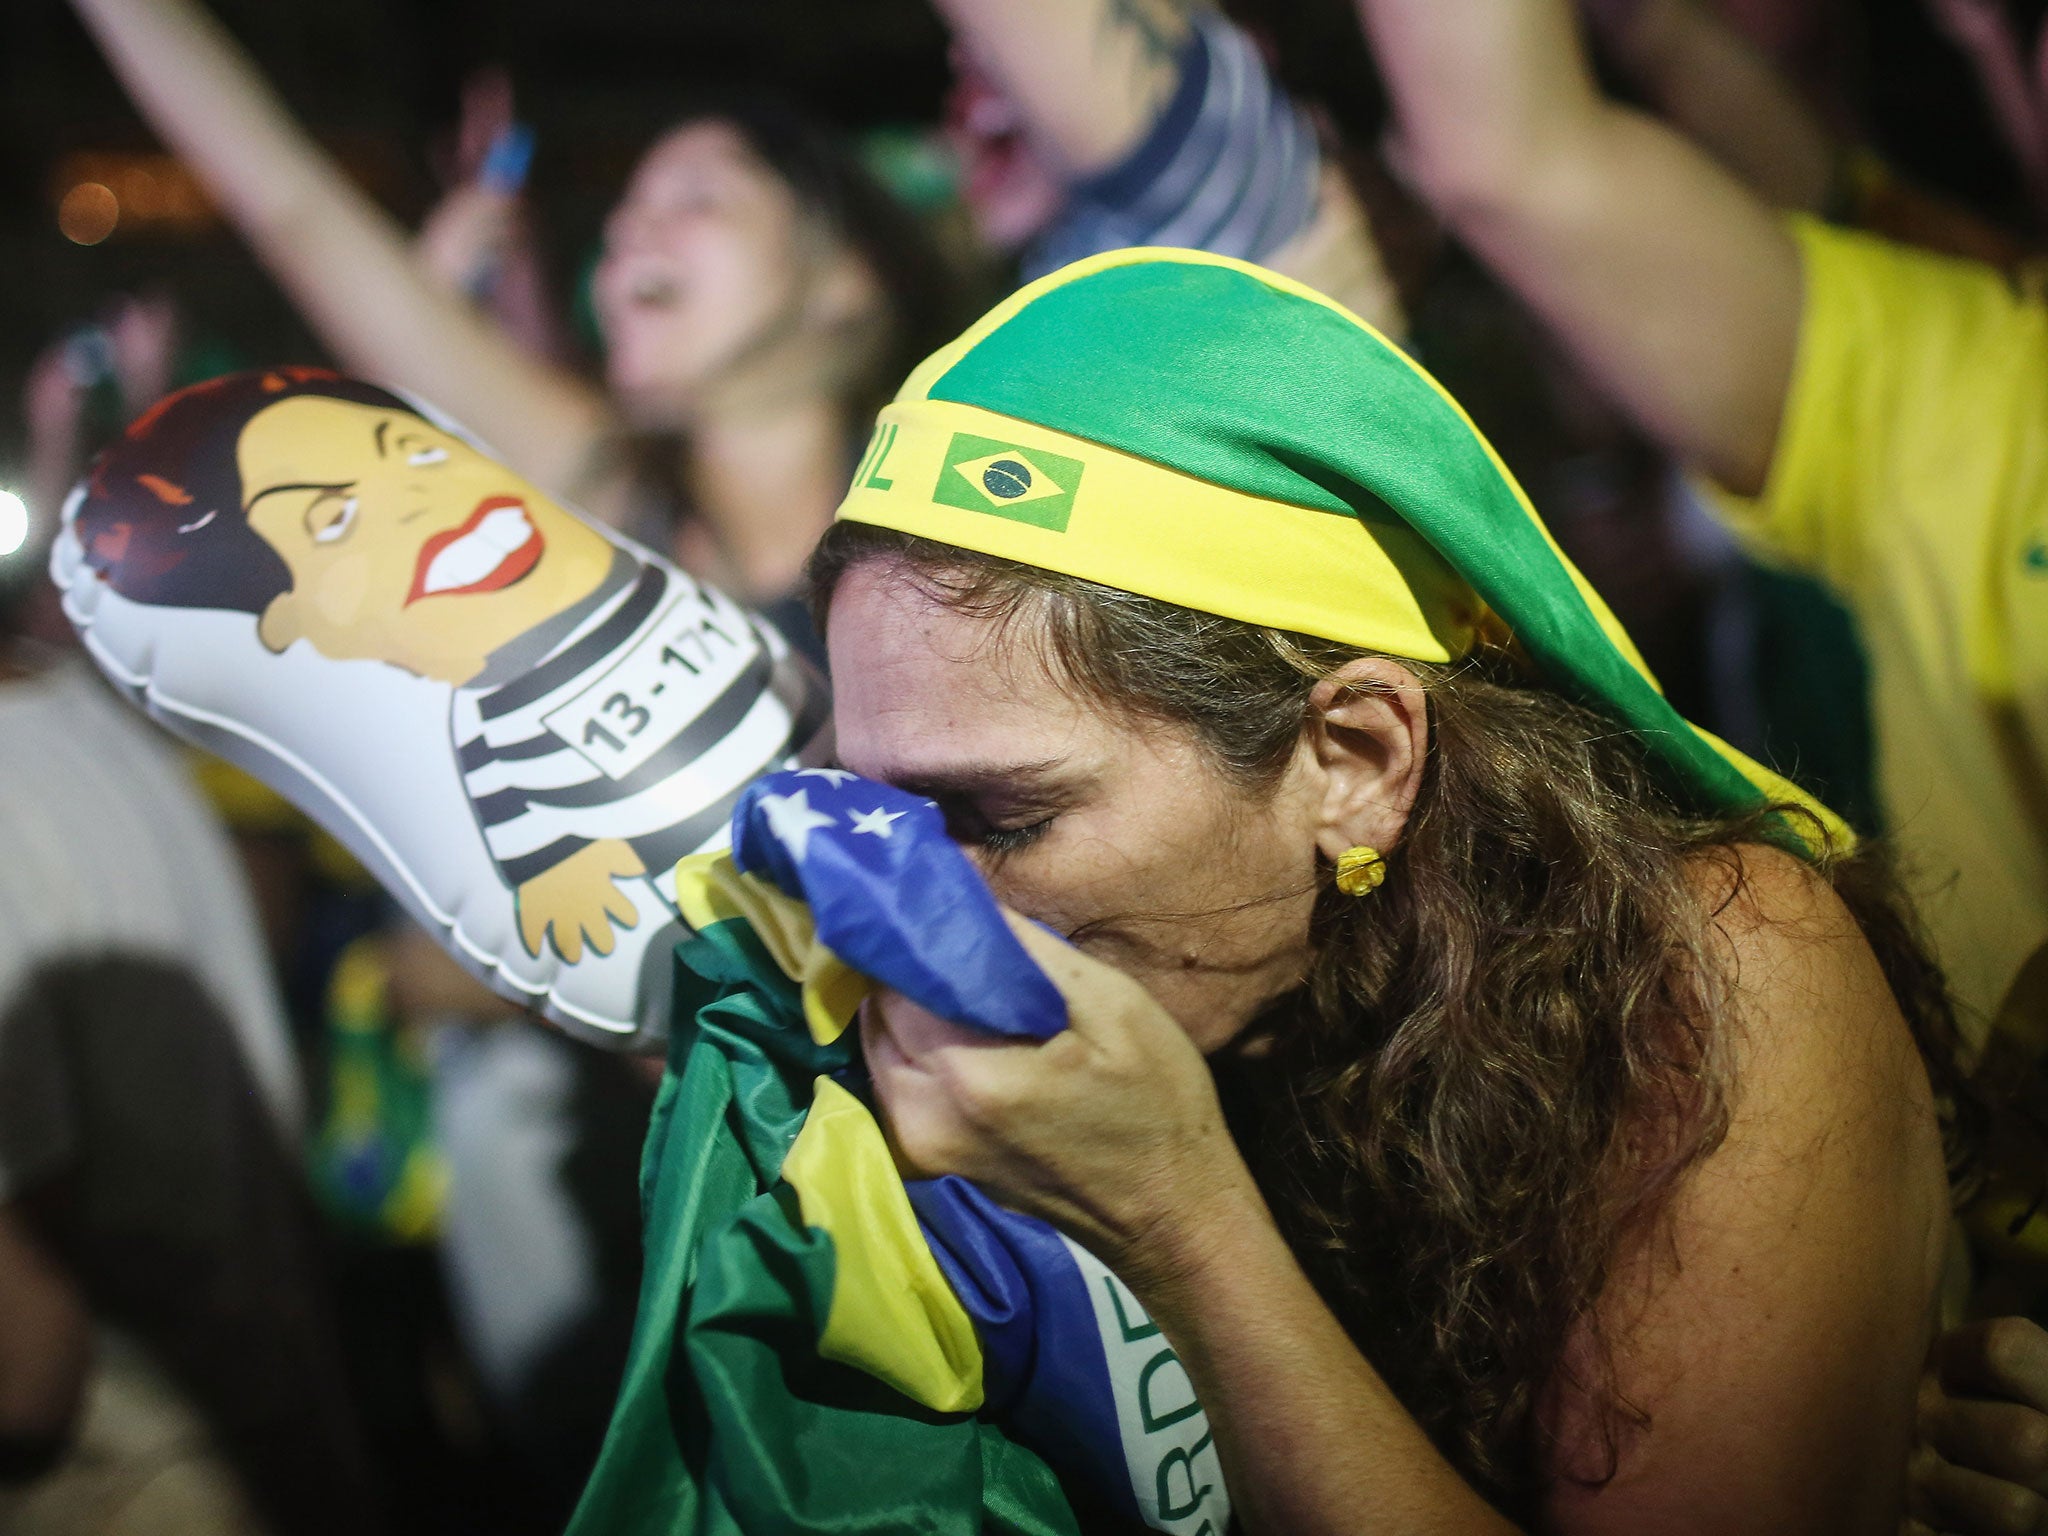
{"x": 791, "y": 819}
{"x": 877, "y": 822}
{"x": 837, "y": 777}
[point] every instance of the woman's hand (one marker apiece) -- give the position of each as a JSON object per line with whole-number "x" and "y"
{"x": 1981, "y": 1465}
{"x": 1110, "y": 1130}
{"x": 467, "y": 236}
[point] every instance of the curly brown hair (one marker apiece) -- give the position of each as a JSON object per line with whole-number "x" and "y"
{"x": 1500, "y": 1068}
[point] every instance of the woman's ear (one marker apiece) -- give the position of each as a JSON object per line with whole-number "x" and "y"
{"x": 1369, "y": 729}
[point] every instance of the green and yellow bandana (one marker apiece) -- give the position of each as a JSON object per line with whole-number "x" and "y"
{"x": 1205, "y": 432}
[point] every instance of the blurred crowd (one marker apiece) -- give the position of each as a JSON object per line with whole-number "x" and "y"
{"x": 304, "y": 1230}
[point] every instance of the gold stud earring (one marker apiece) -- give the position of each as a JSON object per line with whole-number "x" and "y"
{"x": 1360, "y": 870}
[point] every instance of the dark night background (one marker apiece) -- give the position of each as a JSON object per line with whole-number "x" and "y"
{"x": 377, "y": 81}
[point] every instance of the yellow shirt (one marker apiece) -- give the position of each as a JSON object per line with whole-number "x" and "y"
{"x": 1912, "y": 477}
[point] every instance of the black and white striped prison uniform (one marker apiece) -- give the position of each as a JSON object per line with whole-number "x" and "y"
{"x": 539, "y": 799}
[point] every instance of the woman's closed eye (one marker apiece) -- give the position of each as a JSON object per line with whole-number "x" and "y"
{"x": 1010, "y": 839}
{"x": 973, "y": 828}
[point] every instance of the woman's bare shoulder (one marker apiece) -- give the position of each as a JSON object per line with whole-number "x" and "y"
{"x": 1793, "y": 969}
{"x": 1772, "y": 1335}
{"x": 1816, "y": 1045}
{"x": 1763, "y": 901}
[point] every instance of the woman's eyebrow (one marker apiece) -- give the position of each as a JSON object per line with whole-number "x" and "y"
{"x": 975, "y": 777}
{"x": 310, "y": 485}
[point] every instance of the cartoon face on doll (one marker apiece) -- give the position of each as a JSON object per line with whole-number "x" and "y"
{"x": 403, "y": 542}
{"x": 337, "y": 514}
{"x": 604, "y": 710}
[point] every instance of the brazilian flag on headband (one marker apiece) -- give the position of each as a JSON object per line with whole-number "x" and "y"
{"x": 821, "y": 1347}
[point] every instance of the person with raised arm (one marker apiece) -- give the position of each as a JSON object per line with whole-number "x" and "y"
{"x": 1874, "y": 410}
{"x": 1874, "y": 415}
{"x": 1092, "y": 124}
{"x": 757, "y": 293}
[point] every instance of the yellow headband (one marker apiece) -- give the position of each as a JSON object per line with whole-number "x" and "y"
{"x": 977, "y": 480}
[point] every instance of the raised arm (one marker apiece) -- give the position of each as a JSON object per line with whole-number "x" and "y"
{"x": 1673, "y": 283}
{"x": 343, "y": 260}
{"x": 1725, "y": 93}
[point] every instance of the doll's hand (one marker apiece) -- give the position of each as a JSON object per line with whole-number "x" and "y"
{"x": 1110, "y": 1130}
{"x": 579, "y": 899}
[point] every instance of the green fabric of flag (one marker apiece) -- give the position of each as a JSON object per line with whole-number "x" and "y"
{"x": 729, "y": 1420}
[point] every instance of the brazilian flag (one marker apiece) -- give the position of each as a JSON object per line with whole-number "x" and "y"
{"x": 1026, "y": 485}
{"x": 821, "y": 1347}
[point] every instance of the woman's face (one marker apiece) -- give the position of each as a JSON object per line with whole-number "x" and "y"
{"x": 1008, "y": 190}
{"x": 1118, "y": 832}
{"x": 705, "y": 255}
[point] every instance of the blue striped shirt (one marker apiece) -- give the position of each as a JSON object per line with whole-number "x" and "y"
{"x": 1231, "y": 166}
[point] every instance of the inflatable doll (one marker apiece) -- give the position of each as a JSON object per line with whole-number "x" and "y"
{"x": 517, "y": 720}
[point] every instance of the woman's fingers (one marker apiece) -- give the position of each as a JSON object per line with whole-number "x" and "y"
{"x": 2003, "y": 1440}
{"x": 924, "y": 1073}
{"x": 922, "y": 1035}
{"x": 1055, "y": 956}
{"x": 1102, "y": 1129}
{"x": 1103, "y": 1003}
{"x": 1963, "y": 1502}
{"x": 2003, "y": 1357}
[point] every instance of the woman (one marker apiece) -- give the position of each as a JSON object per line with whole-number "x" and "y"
{"x": 757, "y": 294}
{"x": 1584, "y": 1166}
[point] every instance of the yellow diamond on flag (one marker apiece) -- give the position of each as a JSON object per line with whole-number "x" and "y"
{"x": 1009, "y": 478}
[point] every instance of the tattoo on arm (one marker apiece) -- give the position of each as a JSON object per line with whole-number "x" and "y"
{"x": 1149, "y": 33}
{"x": 1159, "y": 24}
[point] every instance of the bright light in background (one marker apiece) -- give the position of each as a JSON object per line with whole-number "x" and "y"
{"x": 88, "y": 213}
{"x": 13, "y": 523}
